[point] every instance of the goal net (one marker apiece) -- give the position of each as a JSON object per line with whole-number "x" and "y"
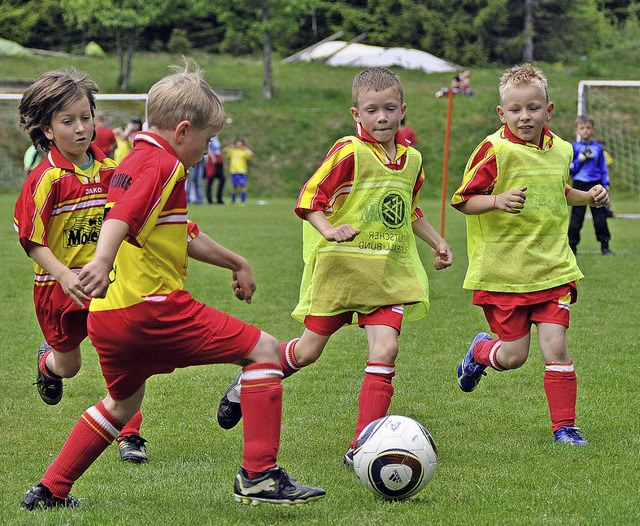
{"x": 615, "y": 107}
{"x": 118, "y": 110}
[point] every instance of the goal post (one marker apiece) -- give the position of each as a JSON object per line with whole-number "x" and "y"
{"x": 615, "y": 108}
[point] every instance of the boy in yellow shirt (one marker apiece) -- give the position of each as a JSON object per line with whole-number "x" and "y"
{"x": 515, "y": 195}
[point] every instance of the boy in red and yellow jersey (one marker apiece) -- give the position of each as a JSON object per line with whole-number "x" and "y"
{"x": 515, "y": 195}
{"x": 361, "y": 261}
{"x": 58, "y": 217}
{"x": 142, "y": 321}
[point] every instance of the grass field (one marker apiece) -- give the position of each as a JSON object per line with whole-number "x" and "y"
{"x": 497, "y": 465}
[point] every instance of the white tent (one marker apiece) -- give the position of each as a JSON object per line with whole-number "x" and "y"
{"x": 341, "y": 53}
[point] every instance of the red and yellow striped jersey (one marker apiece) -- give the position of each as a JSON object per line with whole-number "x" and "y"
{"x": 62, "y": 207}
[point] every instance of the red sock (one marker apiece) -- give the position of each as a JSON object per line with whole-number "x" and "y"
{"x": 561, "y": 388}
{"x": 289, "y": 363}
{"x": 485, "y": 353}
{"x": 91, "y": 435}
{"x": 132, "y": 427}
{"x": 42, "y": 364}
{"x": 375, "y": 394}
{"x": 261, "y": 402}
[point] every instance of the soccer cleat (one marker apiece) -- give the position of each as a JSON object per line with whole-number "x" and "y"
{"x": 570, "y": 435}
{"x": 39, "y": 497}
{"x": 606, "y": 252}
{"x": 132, "y": 449}
{"x": 229, "y": 410}
{"x": 348, "y": 458}
{"x": 50, "y": 390}
{"x": 275, "y": 487}
{"x": 469, "y": 371}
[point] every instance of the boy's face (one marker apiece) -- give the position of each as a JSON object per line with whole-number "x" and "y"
{"x": 525, "y": 110}
{"x": 585, "y": 130}
{"x": 71, "y": 130}
{"x": 191, "y": 143}
{"x": 380, "y": 113}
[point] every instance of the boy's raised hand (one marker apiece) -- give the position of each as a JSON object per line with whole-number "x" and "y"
{"x": 511, "y": 201}
{"x": 599, "y": 194}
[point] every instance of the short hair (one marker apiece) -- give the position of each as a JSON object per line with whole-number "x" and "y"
{"x": 51, "y": 92}
{"x": 523, "y": 75}
{"x": 586, "y": 119}
{"x": 376, "y": 79}
{"x": 185, "y": 95}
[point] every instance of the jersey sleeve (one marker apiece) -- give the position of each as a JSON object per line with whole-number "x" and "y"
{"x": 334, "y": 174}
{"x": 33, "y": 209}
{"x": 479, "y": 175}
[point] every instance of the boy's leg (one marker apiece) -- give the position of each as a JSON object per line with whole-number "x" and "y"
{"x": 575, "y": 225}
{"x": 560, "y": 383}
{"x": 603, "y": 235}
{"x": 294, "y": 355}
{"x": 95, "y": 430}
{"x": 377, "y": 390}
{"x": 131, "y": 444}
{"x": 52, "y": 367}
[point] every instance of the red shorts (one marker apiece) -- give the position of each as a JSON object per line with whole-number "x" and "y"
{"x": 156, "y": 337}
{"x": 512, "y": 322}
{"x": 327, "y": 325}
{"x": 62, "y": 321}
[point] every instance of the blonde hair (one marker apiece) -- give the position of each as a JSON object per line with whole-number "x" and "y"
{"x": 523, "y": 75}
{"x": 376, "y": 79}
{"x": 51, "y": 92}
{"x": 184, "y": 96}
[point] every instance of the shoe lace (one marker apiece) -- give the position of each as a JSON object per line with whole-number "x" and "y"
{"x": 135, "y": 440}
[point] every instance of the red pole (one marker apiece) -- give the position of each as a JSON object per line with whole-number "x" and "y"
{"x": 445, "y": 161}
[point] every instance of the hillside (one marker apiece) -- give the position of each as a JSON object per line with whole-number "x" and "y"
{"x": 291, "y": 133}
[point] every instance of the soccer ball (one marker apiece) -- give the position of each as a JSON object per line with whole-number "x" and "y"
{"x": 395, "y": 457}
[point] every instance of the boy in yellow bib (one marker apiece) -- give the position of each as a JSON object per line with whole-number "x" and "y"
{"x": 515, "y": 194}
{"x": 361, "y": 261}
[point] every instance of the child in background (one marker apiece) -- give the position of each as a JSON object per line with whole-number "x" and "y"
{"x": 142, "y": 321}
{"x": 522, "y": 272}
{"x": 238, "y": 155}
{"x": 361, "y": 220}
{"x": 588, "y": 169}
{"x": 58, "y": 216}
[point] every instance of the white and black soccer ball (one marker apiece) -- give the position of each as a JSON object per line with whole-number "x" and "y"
{"x": 395, "y": 457}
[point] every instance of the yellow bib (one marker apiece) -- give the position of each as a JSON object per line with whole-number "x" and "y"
{"x": 529, "y": 251}
{"x": 381, "y": 266}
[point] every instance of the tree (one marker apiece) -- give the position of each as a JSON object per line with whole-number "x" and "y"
{"x": 125, "y": 18}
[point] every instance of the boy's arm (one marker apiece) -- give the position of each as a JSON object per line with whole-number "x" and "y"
{"x": 425, "y": 231}
{"x": 205, "y": 249}
{"x": 596, "y": 196}
{"x": 68, "y": 279}
{"x": 339, "y": 234}
{"x": 512, "y": 201}
{"x": 94, "y": 276}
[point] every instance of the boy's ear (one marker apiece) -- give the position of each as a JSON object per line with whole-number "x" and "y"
{"x": 550, "y": 107}
{"x": 500, "y": 112}
{"x": 181, "y": 130}
{"x": 47, "y": 132}
{"x": 355, "y": 114}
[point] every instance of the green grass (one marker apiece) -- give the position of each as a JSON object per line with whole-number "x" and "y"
{"x": 497, "y": 462}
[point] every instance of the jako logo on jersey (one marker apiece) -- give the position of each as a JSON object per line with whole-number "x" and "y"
{"x": 82, "y": 231}
{"x": 91, "y": 191}
{"x": 120, "y": 181}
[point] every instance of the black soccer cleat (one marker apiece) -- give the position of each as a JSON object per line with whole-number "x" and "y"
{"x": 275, "y": 487}
{"x": 132, "y": 449}
{"x": 39, "y": 497}
{"x": 229, "y": 410}
{"x": 50, "y": 390}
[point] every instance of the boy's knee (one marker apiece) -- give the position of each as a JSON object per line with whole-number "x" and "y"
{"x": 386, "y": 352}
{"x": 266, "y": 350}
